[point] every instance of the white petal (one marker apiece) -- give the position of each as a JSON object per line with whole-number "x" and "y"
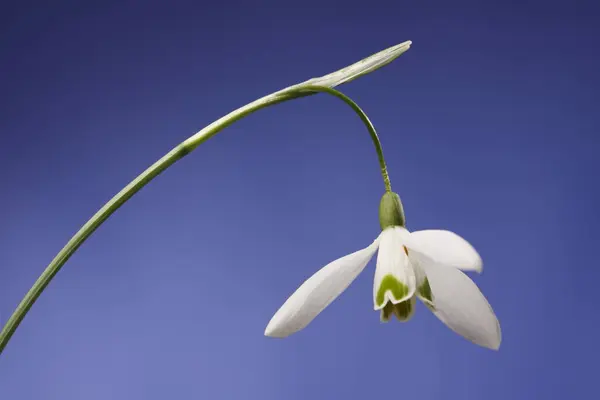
{"x": 360, "y": 68}
{"x": 318, "y": 292}
{"x": 445, "y": 248}
{"x": 392, "y": 260}
{"x": 460, "y": 305}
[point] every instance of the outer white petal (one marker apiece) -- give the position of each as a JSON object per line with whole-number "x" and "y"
{"x": 445, "y": 248}
{"x": 318, "y": 292}
{"x": 392, "y": 260}
{"x": 460, "y": 305}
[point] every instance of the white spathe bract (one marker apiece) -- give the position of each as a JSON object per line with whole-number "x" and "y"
{"x": 358, "y": 69}
{"x": 424, "y": 264}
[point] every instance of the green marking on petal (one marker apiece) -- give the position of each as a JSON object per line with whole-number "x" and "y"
{"x": 391, "y": 283}
{"x": 425, "y": 290}
{"x": 386, "y": 312}
{"x": 426, "y": 294}
{"x": 403, "y": 311}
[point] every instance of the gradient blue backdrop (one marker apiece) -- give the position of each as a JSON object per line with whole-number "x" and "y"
{"x": 490, "y": 127}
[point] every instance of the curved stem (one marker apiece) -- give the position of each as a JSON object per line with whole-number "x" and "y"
{"x": 368, "y": 124}
{"x": 152, "y": 172}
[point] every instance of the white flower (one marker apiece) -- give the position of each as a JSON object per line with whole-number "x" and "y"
{"x": 424, "y": 264}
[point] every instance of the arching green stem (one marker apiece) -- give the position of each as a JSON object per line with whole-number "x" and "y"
{"x": 152, "y": 172}
{"x": 368, "y": 124}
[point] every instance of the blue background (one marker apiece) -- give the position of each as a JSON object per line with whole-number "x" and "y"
{"x": 490, "y": 128}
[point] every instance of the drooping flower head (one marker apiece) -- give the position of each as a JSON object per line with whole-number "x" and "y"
{"x": 424, "y": 264}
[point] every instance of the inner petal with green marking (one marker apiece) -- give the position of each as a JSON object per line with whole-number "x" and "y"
{"x": 425, "y": 294}
{"x": 423, "y": 287}
{"x": 403, "y": 311}
{"x": 398, "y": 290}
{"x": 391, "y": 284}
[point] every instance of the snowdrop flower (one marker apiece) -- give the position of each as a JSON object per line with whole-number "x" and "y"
{"x": 423, "y": 264}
